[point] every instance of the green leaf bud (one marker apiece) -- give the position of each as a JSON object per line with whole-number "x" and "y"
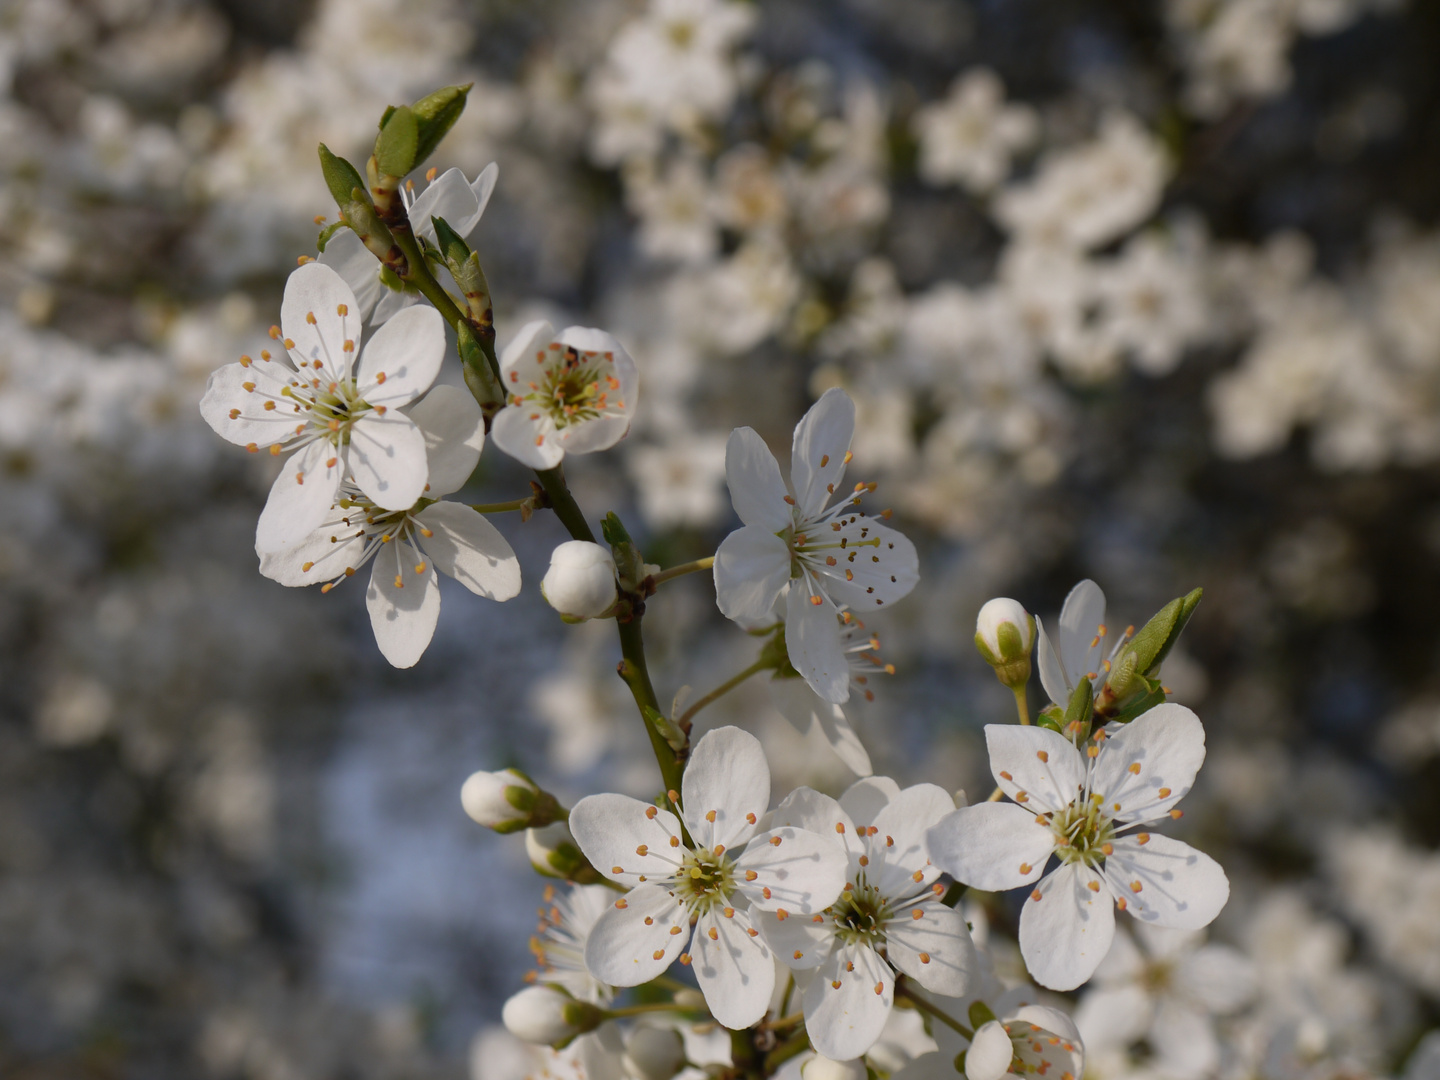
{"x": 435, "y": 114}
{"x": 341, "y": 177}
{"x": 396, "y": 144}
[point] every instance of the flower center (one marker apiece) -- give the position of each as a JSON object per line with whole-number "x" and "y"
{"x": 704, "y": 880}
{"x": 860, "y": 915}
{"x": 1083, "y": 832}
{"x": 575, "y": 388}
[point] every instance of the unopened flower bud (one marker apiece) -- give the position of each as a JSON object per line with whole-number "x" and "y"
{"x": 545, "y": 1015}
{"x": 580, "y": 583}
{"x": 1005, "y": 636}
{"x": 554, "y": 853}
{"x": 504, "y": 801}
{"x": 653, "y": 1053}
{"x": 822, "y": 1068}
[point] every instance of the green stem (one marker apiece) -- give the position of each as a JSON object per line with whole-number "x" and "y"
{"x": 939, "y": 1014}
{"x": 563, "y": 503}
{"x": 640, "y": 1010}
{"x": 719, "y": 692}
{"x": 743, "y": 1058}
{"x": 796, "y": 1044}
{"x": 500, "y": 507}
{"x": 784, "y": 1021}
{"x": 1022, "y": 705}
{"x": 684, "y": 568}
{"x": 637, "y": 676}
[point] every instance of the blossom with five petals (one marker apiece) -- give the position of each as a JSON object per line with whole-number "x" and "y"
{"x": 889, "y": 917}
{"x": 408, "y": 546}
{"x": 712, "y": 883}
{"x": 794, "y": 543}
{"x": 1082, "y": 808}
{"x": 1078, "y": 650}
{"x": 341, "y": 417}
{"x": 568, "y": 393}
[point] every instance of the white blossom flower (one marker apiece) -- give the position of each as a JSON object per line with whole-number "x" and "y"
{"x": 1078, "y": 650}
{"x": 970, "y": 136}
{"x": 409, "y": 545}
{"x": 888, "y": 919}
{"x": 343, "y": 423}
{"x": 1166, "y": 990}
{"x": 1082, "y": 808}
{"x": 559, "y": 943}
{"x": 1034, "y": 1040}
{"x": 460, "y": 202}
{"x": 572, "y": 392}
{"x": 712, "y": 884}
{"x": 796, "y": 545}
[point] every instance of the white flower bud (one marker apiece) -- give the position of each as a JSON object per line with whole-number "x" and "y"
{"x": 1005, "y": 636}
{"x": 990, "y": 1053}
{"x": 553, "y": 851}
{"x": 542, "y": 1014}
{"x": 653, "y": 1053}
{"x": 503, "y": 801}
{"x": 822, "y": 1068}
{"x": 580, "y": 583}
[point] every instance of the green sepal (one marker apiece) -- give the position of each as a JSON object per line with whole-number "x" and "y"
{"x": 479, "y": 377}
{"x": 341, "y": 177}
{"x": 435, "y": 114}
{"x": 327, "y": 232}
{"x": 613, "y": 530}
{"x": 396, "y": 144}
{"x": 1079, "y": 711}
{"x": 1156, "y": 638}
{"x": 464, "y": 266}
{"x": 1151, "y": 694}
{"x": 452, "y": 246}
{"x": 1052, "y": 717}
{"x": 979, "y": 1014}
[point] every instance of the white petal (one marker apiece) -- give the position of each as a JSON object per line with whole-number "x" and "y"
{"x": 1037, "y": 767}
{"x": 402, "y": 358}
{"x": 466, "y": 547}
{"x": 1179, "y": 886}
{"x": 795, "y": 701}
{"x": 520, "y": 361}
{"x": 1046, "y": 1042}
{"x": 527, "y": 435}
{"x": 1150, "y": 764}
{"x": 387, "y": 459}
{"x": 864, "y": 799}
{"x": 226, "y": 392}
{"x": 1124, "y": 963}
{"x": 751, "y": 567}
{"x": 622, "y": 946}
{"x": 448, "y": 196}
{"x": 1082, "y": 620}
{"x": 991, "y": 846}
{"x": 1184, "y": 1041}
{"x": 1048, "y": 1019}
{"x": 876, "y": 567}
{"x": 1219, "y": 977}
{"x": 797, "y": 871}
{"x": 725, "y": 789}
{"x": 589, "y": 436}
{"x": 454, "y": 431}
{"x": 934, "y": 950}
{"x": 812, "y": 640}
{"x": 844, "y": 1014}
{"x": 801, "y": 942}
{"x": 1113, "y": 1017}
{"x": 990, "y": 1053}
{"x": 300, "y": 499}
{"x": 389, "y": 302}
{"x": 315, "y": 289}
{"x": 327, "y": 552}
{"x": 1163, "y": 943}
{"x": 1052, "y": 672}
{"x": 611, "y": 829}
{"x": 898, "y": 850}
{"x": 822, "y": 436}
{"x": 735, "y": 970}
{"x": 1067, "y": 932}
{"x": 347, "y": 255}
{"x": 404, "y": 606}
{"x": 756, "y": 489}
{"x": 806, "y": 808}
{"x": 484, "y": 186}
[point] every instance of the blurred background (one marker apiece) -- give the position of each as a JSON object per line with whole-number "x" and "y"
{"x": 1147, "y": 292}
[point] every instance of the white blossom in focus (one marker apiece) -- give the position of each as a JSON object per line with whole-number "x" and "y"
{"x": 713, "y": 885}
{"x": 889, "y": 918}
{"x": 796, "y": 545}
{"x": 341, "y": 423}
{"x": 409, "y": 546}
{"x": 1084, "y": 809}
{"x": 572, "y": 392}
